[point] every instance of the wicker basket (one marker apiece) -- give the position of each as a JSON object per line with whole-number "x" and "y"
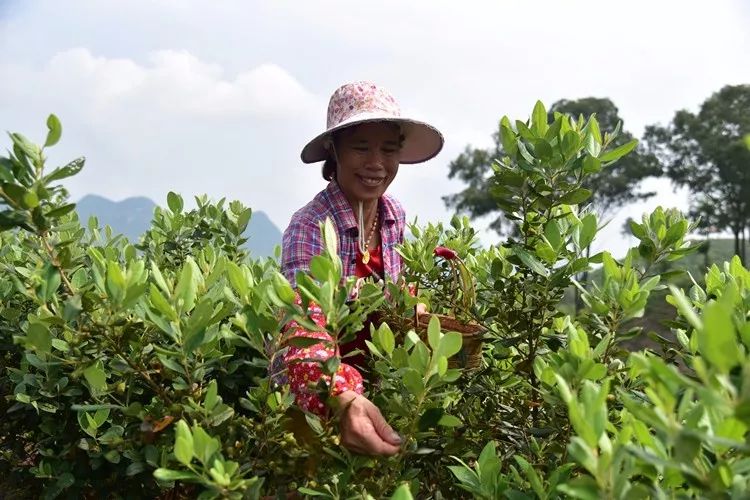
{"x": 470, "y": 356}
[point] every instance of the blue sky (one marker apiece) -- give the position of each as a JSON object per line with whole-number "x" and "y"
{"x": 219, "y": 97}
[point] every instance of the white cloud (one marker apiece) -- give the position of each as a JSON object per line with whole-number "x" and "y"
{"x": 220, "y": 98}
{"x": 177, "y": 82}
{"x": 173, "y": 123}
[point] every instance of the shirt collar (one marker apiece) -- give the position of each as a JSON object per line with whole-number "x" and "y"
{"x": 343, "y": 213}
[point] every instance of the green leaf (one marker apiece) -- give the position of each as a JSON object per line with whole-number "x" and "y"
{"x": 732, "y": 428}
{"x": 524, "y": 131}
{"x": 433, "y": 332}
{"x": 23, "y": 146}
{"x": 243, "y": 218}
{"x": 532, "y": 476}
{"x": 530, "y": 261}
{"x": 450, "y": 421}
{"x": 100, "y": 416}
{"x": 161, "y": 304}
{"x": 552, "y": 233}
{"x": 488, "y": 462}
{"x": 588, "y": 230}
{"x": 675, "y": 233}
{"x": 619, "y": 152}
{"x": 583, "y": 488}
{"x": 204, "y": 446}
{"x": 718, "y": 340}
{"x": 570, "y": 143}
{"x": 554, "y": 129}
{"x": 174, "y": 202}
{"x": 413, "y": 381}
{"x": 68, "y": 170}
{"x": 55, "y": 131}
{"x": 6, "y": 170}
{"x": 466, "y": 477}
{"x": 402, "y": 493}
{"x": 386, "y": 340}
{"x": 39, "y": 337}
{"x": 592, "y": 147}
{"x": 61, "y": 211}
{"x": 113, "y": 435}
{"x": 60, "y": 345}
{"x": 183, "y": 450}
{"x": 576, "y": 197}
{"x": 542, "y": 149}
{"x": 96, "y": 377}
{"x": 539, "y": 119}
{"x": 544, "y": 250}
{"x": 169, "y": 475}
{"x": 638, "y": 230}
{"x": 112, "y": 456}
{"x": 591, "y": 165}
{"x": 187, "y": 285}
{"x": 135, "y": 468}
{"x": 508, "y": 137}
{"x": 311, "y": 493}
{"x": 321, "y": 268}
{"x": 14, "y": 192}
{"x": 65, "y": 480}
{"x": 611, "y": 267}
{"x": 525, "y": 153}
{"x": 283, "y": 289}
{"x": 450, "y": 344}
{"x": 30, "y": 199}
{"x": 330, "y": 237}
{"x": 115, "y": 282}
{"x": 159, "y": 279}
{"x": 211, "y": 399}
{"x": 331, "y": 365}
{"x": 582, "y": 454}
{"x": 686, "y": 309}
{"x": 303, "y": 342}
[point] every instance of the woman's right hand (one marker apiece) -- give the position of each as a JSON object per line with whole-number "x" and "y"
{"x": 363, "y": 428}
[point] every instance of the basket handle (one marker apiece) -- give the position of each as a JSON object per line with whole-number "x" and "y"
{"x": 416, "y": 312}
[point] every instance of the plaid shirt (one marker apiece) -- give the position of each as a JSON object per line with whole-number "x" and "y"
{"x": 302, "y": 239}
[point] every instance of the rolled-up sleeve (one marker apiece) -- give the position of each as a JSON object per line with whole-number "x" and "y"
{"x": 300, "y": 243}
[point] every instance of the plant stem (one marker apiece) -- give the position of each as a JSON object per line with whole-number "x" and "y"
{"x": 141, "y": 370}
{"x": 56, "y": 262}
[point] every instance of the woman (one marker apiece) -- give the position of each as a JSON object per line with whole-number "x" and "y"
{"x": 365, "y": 142}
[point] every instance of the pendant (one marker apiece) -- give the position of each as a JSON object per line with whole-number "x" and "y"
{"x": 366, "y": 257}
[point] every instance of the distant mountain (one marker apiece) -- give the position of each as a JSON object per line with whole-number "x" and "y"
{"x": 263, "y": 235}
{"x": 132, "y": 217}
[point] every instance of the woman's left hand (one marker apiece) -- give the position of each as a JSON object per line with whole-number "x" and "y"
{"x": 363, "y": 428}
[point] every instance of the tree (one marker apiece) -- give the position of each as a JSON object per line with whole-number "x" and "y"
{"x": 612, "y": 187}
{"x": 705, "y": 152}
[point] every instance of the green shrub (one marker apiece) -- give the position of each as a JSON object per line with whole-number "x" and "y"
{"x": 140, "y": 367}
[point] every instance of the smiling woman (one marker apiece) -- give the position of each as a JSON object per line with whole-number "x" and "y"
{"x": 365, "y": 141}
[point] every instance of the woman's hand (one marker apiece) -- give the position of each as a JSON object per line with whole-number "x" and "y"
{"x": 363, "y": 428}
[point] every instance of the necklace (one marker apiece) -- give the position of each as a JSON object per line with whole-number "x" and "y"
{"x": 364, "y": 244}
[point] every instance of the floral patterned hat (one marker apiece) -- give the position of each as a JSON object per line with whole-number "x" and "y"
{"x": 362, "y": 102}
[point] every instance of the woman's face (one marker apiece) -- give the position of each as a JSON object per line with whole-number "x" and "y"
{"x": 368, "y": 157}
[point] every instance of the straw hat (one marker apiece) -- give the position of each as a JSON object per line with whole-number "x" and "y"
{"x": 363, "y": 102}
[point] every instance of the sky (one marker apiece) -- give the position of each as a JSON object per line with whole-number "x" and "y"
{"x": 219, "y": 97}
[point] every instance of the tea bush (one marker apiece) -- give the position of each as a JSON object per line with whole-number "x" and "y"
{"x": 141, "y": 369}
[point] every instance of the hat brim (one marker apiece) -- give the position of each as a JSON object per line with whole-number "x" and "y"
{"x": 422, "y": 141}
